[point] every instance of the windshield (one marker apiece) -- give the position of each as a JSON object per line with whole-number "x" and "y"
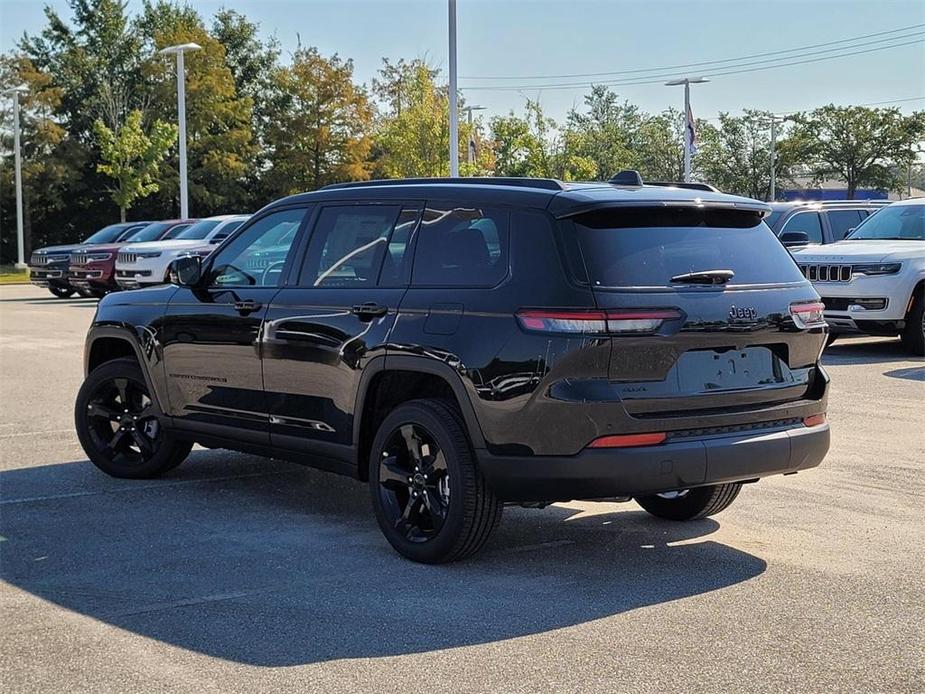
{"x": 893, "y": 223}
{"x": 199, "y": 230}
{"x": 152, "y": 232}
{"x": 646, "y": 247}
{"x": 106, "y": 234}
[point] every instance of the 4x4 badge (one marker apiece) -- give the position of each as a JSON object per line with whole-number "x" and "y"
{"x": 741, "y": 313}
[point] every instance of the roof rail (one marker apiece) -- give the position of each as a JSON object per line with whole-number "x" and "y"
{"x": 542, "y": 183}
{"x": 690, "y": 185}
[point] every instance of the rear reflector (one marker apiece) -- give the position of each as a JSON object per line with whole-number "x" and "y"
{"x": 616, "y": 322}
{"x": 808, "y": 315}
{"x": 628, "y": 440}
{"x": 814, "y": 420}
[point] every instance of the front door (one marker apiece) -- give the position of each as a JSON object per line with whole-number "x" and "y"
{"x": 320, "y": 332}
{"x": 211, "y": 333}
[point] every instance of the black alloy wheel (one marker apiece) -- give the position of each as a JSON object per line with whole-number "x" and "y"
{"x": 414, "y": 483}
{"x": 118, "y": 424}
{"x": 431, "y": 501}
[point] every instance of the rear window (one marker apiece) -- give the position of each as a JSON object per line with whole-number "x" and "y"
{"x": 461, "y": 246}
{"x": 646, "y": 247}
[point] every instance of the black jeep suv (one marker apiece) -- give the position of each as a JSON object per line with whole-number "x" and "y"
{"x": 465, "y": 343}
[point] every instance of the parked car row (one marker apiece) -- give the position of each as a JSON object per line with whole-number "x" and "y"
{"x": 127, "y": 255}
{"x": 875, "y": 287}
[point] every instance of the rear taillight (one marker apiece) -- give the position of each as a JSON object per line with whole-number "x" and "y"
{"x": 615, "y": 322}
{"x": 808, "y": 315}
{"x": 629, "y": 440}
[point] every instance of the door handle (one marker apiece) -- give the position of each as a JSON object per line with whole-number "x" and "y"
{"x": 369, "y": 310}
{"x": 247, "y": 306}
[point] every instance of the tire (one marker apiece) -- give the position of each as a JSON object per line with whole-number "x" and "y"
{"x": 85, "y": 293}
{"x": 431, "y": 501}
{"x": 913, "y": 335}
{"x": 691, "y": 504}
{"x": 98, "y": 293}
{"x": 61, "y": 292}
{"x": 118, "y": 426}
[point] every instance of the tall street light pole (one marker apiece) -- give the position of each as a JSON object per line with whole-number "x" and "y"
{"x": 454, "y": 123}
{"x": 688, "y": 119}
{"x": 773, "y": 122}
{"x": 471, "y": 147}
{"x": 17, "y": 159}
{"x": 179, "y": 50}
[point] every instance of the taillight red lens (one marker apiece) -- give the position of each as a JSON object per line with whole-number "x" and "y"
{"x": 623, "y": 321}
{"x": 808, "y": 315}
{"x": 629, "y": 440}
{"x": 814, "y": 420}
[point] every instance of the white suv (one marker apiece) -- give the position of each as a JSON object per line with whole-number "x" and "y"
{"x": 873, "y": 281}
{"x": 146, "y": 264}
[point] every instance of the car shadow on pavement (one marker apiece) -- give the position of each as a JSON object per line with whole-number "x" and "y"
{"x": 916, "y": 373}
{"x": 866, "y": 352}
{"x": 271, "y": 564}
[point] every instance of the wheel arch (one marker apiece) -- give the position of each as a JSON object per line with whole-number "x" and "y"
{"x": 917, "y": 289}
{"x": 106, "y": 343}
{"x": 391, "y": 380}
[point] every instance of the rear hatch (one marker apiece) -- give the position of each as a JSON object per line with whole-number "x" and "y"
{"x": 706, "y": 310}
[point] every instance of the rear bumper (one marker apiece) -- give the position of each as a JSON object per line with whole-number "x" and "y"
{"x": 602, "y": 473}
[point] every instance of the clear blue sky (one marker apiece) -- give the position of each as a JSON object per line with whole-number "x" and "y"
{"x": 536, "y": 37}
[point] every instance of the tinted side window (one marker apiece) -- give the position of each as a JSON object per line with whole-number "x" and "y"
{"x": 348, "y": 245}
{"x": 843, "y": 221}
{"x": 256, "y": 257}
{"x": 807, "y": 222}
{"x": 461, "y": 246}
{"x": 176, "y": 231}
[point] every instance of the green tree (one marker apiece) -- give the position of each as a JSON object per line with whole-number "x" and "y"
{"x": 860, "y": 146}
{"x": 413, "y": 133}
{"x": 606, "y": 133}
{"x": 132, "y": 158}
{"x": 660, "y": 152}
{"x": 253, "y": 61}
{"x": 531, "y": 145}
{"x": 320, "y": 127}
{"x": 736, "y": 155}
{"x": 220, "y": 141}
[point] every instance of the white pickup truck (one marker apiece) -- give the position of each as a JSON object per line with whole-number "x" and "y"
{"x": 873, "y": 282}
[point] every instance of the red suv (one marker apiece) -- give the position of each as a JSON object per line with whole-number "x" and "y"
{"x": 92, "y": 269}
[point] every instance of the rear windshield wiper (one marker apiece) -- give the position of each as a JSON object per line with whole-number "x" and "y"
{"x": 704, "y": 277}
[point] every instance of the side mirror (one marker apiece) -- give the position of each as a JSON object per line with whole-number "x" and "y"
{"x": 186, "y": 271}
{"x": 794, "y": 238}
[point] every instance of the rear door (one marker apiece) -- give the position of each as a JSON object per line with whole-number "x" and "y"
{"x": 842, "y": 221}
{"x": 698, "y": 302}
{"x": 336, "y": 315}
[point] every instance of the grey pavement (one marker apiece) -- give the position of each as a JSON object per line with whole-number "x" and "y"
{"x": 236, "y": 573}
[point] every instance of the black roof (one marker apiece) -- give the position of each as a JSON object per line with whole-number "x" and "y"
{"x": 558, "y": 197}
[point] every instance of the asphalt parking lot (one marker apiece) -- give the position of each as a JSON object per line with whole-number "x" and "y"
{"x": 235, "y": 573}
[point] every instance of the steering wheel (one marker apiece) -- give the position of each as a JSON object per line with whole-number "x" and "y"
{"x": 267, "y": 269}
